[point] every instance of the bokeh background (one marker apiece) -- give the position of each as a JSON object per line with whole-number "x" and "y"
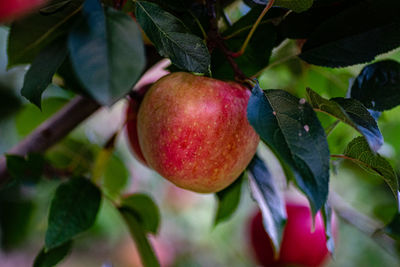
{"x": 187, "y": 236}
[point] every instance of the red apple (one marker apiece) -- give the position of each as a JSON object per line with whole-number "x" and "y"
{"x": 193, "y": 131}
{"x": 301, "y": 246}
{"x": 140, "y": 89}
{"x": 13, "y": 9}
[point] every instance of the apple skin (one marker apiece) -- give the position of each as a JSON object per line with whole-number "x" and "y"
{"x": 141, "y": 87}
{"x": 193, "y": 131}
{"x": 13, "y": 9}
{"x": 131, "y": 129}
{"x": 300, "y": 245}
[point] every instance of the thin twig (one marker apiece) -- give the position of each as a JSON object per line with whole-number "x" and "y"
{"x": 253, "y": 29}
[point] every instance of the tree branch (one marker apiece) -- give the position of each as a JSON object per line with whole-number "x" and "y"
{"x": 51, "y": 131}
{"x": 363, "y": 223}
{"x": 60, "y": 124}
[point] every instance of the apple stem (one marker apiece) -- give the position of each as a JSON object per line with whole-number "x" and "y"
{"x": 216, "y": 40}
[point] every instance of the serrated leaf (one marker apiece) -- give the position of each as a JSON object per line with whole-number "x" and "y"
{"x": 147, "y": 255}
{"x": 351, "y": 112}
{"x": 41, "y": 72}
{"x": 27, "y": 169}
{"x": 144, "y": 209}
{"x": 291, "y": 128}
{"x": 327, "y": 214}
{"x": 106, "y": 52}
{"x": 375, "y": 29}
{"x": 359, "y": 152}
{"x": 73, "y": 210}
{"x": 172, "y": 38}
{"x": 269, "y": 199}
{"x": 53, "y": 256}
{"x": 29, "y": 36}
{"x": 295, "y": 5}
{"x": 378, "y": 85}
{"x": 228, "y": 200}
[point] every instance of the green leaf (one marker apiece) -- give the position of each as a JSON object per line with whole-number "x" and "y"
{"x": 41, "y": 72}
{"x": 106, "y": 52}
{"x": 9, "y": 102}
{"x": 30, "y": 116}
{"x": 378, "y": 85}
{"x": 148, "y": 257}
{"x": 393, "y": 227}
{"x": 53, "y": 256}
{"x": 352, "y": 112}
{"x": 375, "y": 29}
{"x": 26, "y": 170}
{"x": 172, "y": 38}
{"x": 269, "y": 199}
{"x": 327, "y": 217}
{"x": 255, "y": 57}
{"x": 73, "y": 210}
{"x": 144, "y": 209}
{"x": 116, "y": 176}
{"x": 359, "y": 152}
{"x": 16, "y": 214}
{"x": 228, "y": 200}
{"x": 291, "y": 128}
{"x": 295, "y": 5}
{"x": 29, "y": 36}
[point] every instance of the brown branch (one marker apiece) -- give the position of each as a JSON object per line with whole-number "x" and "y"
{"x": 215, "y": 40}
{"x": 60, "y": 124}
{"x": 363, "y": 223}
{"x": 51, "y": 131}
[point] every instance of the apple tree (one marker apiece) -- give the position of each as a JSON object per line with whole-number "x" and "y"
{"x": 315, "y": 84}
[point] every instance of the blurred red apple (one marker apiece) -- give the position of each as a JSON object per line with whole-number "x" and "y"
{"x": 13, "y": 9}
{"x": 140, "y": 89}
{"x": 193, "y": 131}
{"x": 301, "y": 246}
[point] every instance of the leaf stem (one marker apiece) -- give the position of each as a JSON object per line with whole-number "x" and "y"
{"x": 253, "y": 29}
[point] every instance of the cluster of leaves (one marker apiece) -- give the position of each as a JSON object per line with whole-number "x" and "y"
{"x": 98, "y": 51}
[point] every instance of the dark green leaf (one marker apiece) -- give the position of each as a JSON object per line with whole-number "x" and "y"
{"x": 359, "y": 152}
{"x": 295, "y": 5}
{"x": 393, "y": 228}
{"x": 228, "y": 200}
{"x": 374, "y": 29}
{"x": 378, "y": 85}
{"x": 269, "y": 199}
{"x": 255, "y": 57}
{"x": 302, "y": 25}
{"x": 53, "y": 256}
{"x": 290, "y": 127}
{"x": 352, "y": 112}
{"x": 16, "y": 215}
{"x": 9, "y": 102}
{"x": 148, "y": 257}
{"x": 73, "y": 210}
{"x": 41, "y": 72}
{"x": 145, "y": 211}
{"x": 29, "y": 36}
{"x": 27, "y": 170}
{"x": 327, "y": 216}
{"x": 106, "y": 52}
{"x": 172, "y": 38}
